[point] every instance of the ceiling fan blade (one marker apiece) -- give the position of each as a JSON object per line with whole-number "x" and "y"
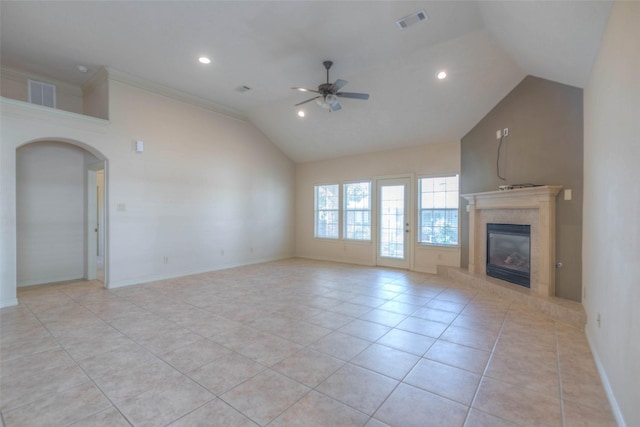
{"x": 338, "y": 85}
{"x": 302, "y": 89}
{"x": 335, "y": 106}
{"x": 353, "y": 95}
{"x": 308, "y": 100}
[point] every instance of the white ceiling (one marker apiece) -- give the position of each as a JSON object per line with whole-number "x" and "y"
{"x": 486, "y": 47}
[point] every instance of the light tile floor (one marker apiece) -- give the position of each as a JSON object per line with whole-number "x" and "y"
{"x": 291, "y": 343}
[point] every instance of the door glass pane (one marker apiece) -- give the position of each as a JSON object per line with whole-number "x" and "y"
{"x": 392, "y": 221}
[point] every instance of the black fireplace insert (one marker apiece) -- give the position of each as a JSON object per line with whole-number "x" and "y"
{"x": 509, "y": 253}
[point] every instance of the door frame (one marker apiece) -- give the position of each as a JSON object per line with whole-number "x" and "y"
{"x": 407, "y": 263}
{"x": 92, "y": 223}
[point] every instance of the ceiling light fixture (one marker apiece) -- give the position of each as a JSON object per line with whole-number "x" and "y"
{"x": 323, "y": 103}
{"x": 301, "y": 113}
{"x": 204, "y": 60}
{"x": 327, "y": 101}
{"x": 82, "y": 68}
{"x": 441, "y": 75}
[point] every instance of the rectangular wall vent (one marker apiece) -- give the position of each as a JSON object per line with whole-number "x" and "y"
{"x": 412, "y": 19}
{"x": 42, "y": 94}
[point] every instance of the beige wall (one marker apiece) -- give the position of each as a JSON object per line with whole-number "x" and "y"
{"x": 208, "y": 192}
{"x": 425, "y": 160}
{"x": 544, "y": 146}
{"x": 95, "y": 96}
{"x": 50, "y": 212}
{"x": 611, "y": 247}
{"x": 15, "y": 85}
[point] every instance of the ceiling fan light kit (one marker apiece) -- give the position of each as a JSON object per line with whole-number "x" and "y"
{"x": 328, "y": 93}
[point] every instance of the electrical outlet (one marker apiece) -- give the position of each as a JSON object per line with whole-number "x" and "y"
{"x": 505, "y": 132}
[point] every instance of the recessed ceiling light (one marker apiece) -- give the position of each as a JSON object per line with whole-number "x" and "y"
{"x": 204, "y": 60}
{"x": 441, "y": 75}
{"x": 301, "y": 113}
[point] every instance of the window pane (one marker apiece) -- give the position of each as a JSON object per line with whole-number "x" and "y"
{"x": 452, "y": 183}
{"x": 427, "y": 200}
{"x": 356, "y": 195}
{"x": 439, "y": 200}
{"x": 392, "y": 221}
{"x": 327, "y": 196}
{"x": 451, "y": 199}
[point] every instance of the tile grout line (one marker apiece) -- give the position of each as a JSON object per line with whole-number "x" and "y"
{"x": 560, "y": 389}
{"x": 401, "y": 381}
{"x": 486, "y": 368}
{"x": 79, "y": 367}
{"x": 346, "y": 362}
{"x": 113, "y": 405}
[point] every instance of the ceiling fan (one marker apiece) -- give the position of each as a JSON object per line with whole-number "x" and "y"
{"x": 328, "y": 93}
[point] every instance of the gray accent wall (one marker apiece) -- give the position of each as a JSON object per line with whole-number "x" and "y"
{"x": 544, "y": 146}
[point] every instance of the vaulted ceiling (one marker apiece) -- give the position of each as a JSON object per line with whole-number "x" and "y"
{"x": 485, "y": 47}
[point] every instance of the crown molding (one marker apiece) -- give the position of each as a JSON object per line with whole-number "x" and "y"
{"x": 160, "y": 89}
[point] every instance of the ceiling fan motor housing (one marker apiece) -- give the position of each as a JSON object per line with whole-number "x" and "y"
{"x": 328, "y": 93}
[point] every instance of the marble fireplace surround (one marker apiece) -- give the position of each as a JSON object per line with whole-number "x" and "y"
{"x": 534, "y": 206}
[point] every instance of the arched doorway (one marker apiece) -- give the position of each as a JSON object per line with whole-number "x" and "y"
{"x": 60, "y": 212}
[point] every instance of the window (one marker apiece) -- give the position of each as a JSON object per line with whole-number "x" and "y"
{"x": 438, "y": 211}
{"x": 327, "y": 211}
{"x": 42, "y": 94}
{"x": 357, "y": 211}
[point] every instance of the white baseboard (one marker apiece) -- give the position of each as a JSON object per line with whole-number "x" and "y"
{"x": 156, "y": 277}
{"x": 605, "y": 382}
{"x": 47, "y": 280}
{"x": 336, "y": 259}
{"x": 9, "y": 302}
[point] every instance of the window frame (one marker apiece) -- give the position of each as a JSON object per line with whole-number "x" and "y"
{"x": 345, "y": 211}
{"x": 317, "y": 211}
{"x": 420, "y": 210}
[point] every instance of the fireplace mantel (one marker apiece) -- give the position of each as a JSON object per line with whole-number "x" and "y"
{"x": 534, "y": 206}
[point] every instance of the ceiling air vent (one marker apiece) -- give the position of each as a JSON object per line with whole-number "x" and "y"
{"x": 412, "y": 19}
{"x": 42, "y": 94}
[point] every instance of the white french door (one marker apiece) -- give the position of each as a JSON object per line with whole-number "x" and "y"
{"x": 394, "y": 223}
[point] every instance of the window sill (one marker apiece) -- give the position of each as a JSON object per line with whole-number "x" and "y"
{"x": 435, "y": 245}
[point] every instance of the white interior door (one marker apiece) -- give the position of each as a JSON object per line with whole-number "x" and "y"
{"x": 394, "y": 223}
{"x": 94, "y": 262}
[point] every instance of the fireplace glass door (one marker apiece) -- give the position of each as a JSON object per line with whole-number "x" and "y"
{"x": 509, "y": 253}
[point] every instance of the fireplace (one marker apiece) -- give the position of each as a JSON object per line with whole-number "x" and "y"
{"x": 509, "y": 253}
{"x": 535, "y": 206}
